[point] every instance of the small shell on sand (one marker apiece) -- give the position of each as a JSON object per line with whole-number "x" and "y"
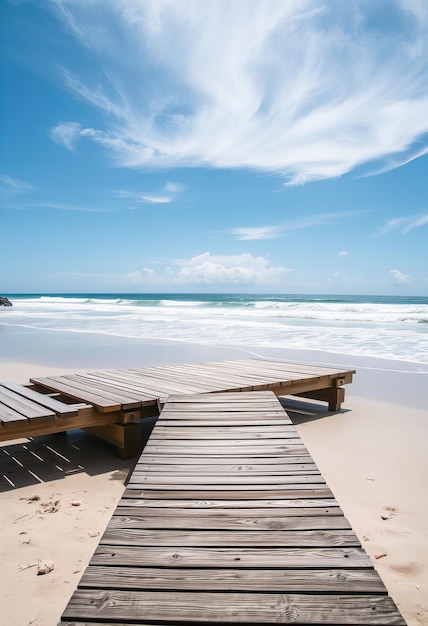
{"x": 44, "y": 567}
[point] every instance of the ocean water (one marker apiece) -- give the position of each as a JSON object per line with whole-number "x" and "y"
{"x": 372, "y": 326}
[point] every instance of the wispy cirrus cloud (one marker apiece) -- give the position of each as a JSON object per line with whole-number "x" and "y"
{"x": 83, "y": 208}
{"x": 66, "y": 134}
{"x": 257, "y": 232}
{"x": 167, "y": 195}
{"x": 10, "y": 185}
{"x": 279, "y": 230}
{"x": 404, "y": 224}
{"x": 324, "y": 87}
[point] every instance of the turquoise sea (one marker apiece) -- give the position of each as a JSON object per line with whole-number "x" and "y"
{"x": 386, "y": 327}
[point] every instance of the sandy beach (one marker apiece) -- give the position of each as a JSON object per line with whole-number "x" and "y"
{"x": 61, "y": 490}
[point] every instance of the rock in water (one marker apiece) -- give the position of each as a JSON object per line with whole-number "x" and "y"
{"x": 4, "y": 301}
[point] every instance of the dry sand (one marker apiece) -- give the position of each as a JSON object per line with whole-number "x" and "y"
{"x": 373, "y": 456}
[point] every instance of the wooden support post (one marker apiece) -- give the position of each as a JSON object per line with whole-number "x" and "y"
{"x": 126, "y": 437}
{"x": 333, "y": 395}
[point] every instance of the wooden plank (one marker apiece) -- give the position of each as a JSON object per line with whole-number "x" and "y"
{"x": 132, "y": 498}
{"x": 118, "y": 386}
{"x": 139, "y": 537}
{"x": 223, "y": 421}
{"x": 24, "y": 428}
{"x": 60, "y": 408}
{"x": 202, "y": 519}
{"x": 201, "y": 443}
{"x": 306, "y": 580}
{"x": 292, "y": 492}
{"x": 155, "y": 481}
{"x": 153, "y": 383}
{"x": 232, "y": 396}
{"x": 232, "y": 557}
{"x": 232, "y": 608}
{"x": 9, "y": 417}
{"x": 27, "y": 408}
{"x": 282, "y": 518}
{"x": 226, "y": 470}
{"x": 228, "y": 432}
{"x": 64, "y": 386}
{"x": 107, "y": 391}
{"x": 230, "y": 450}
{"x": 219, "y": 460}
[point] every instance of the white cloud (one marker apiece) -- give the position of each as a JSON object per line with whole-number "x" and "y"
{"x": 215, "y": 270}
{"x": 404, "y": 224}
{"x": 301, "y": 223}
{"x": 152, "y": 199}
{"x": 320, "y": 90}
{"x": 14, "y": 185}
{"x": 415, "y": 222}
{"x": 343, "y": 253}
{"x": 174, "y": 187}
{"x": 134, "y": 277}
{"x": 66, "y": 134}
{"x": 257, "y": 232}
{"x": 171, "y": 189}
{"x": 80, "y": 208}
{"x": 399, "y": 278}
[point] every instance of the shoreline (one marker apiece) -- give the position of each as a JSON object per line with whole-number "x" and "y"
{"x": 372, "y": 454}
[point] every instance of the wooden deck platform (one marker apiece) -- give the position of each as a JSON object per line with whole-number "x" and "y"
{"x": 108, "y": 403}
{"x": 227, "y": 520}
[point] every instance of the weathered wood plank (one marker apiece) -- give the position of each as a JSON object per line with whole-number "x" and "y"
{"x": 155, "y": 481}
{"x": 86, "y": 383}
{"x": 215, "y": 607}
{"x": 127, "y": 390}
{"x": 132, "y": 498}
{"x": 298, "y": 518}
{"x": 26, "y": 407}
{"x": 139, "y": 537}
{"x": 305, "y": 580}
{"x": 60, "y": 408}
{"x": 281, "y": 460}
{"x": 231, "y": 557}
{"x": 192, "y": 469}
{"x": 228, "y": 420}
{"x": 9, "y": 417}
{"x": 206, "y": 432}
{"x": 232, "y": 521}
{"x": 79, "y": 393}
{"x": 230, "y": 450}
{"x": 198, "y": 493}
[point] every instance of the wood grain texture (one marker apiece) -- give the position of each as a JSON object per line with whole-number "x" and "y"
{"x": 239, "y": 608}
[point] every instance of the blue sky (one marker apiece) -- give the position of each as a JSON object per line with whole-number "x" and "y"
{"x": 224, "y": 145}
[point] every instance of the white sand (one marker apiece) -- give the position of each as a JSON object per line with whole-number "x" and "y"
{"x": 373, "y": 456}
{"x": 374, "y": 459}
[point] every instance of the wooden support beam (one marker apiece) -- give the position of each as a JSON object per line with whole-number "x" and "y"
{"x": 126, "y": 437}
{"x": 334, "y": 396}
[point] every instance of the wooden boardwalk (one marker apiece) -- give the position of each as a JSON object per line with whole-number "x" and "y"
{"x": 108, "y": 403}
{"x": 129, "y": 389}
{"x": 227, "y": 520}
